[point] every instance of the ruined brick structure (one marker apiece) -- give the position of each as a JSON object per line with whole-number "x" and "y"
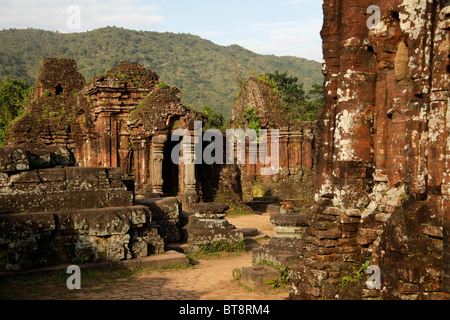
{"x": 76, "y": 160}
{"x": 123, "y": 118}
{"x": 297, "y": 152}
{"x": 383, "y": 165}
{"x": 52, "y": 212}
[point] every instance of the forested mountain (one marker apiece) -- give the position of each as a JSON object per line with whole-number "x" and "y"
{"x": 203, "y": 71}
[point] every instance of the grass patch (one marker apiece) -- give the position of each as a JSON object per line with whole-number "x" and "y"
{"x": 217, "y": 249}
{"x": 239, "y": 210}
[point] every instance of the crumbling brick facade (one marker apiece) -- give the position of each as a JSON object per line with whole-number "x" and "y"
{"x": 297, "y": 140}
{"x": 123, "y": 118}
{"x": 382, "y": 176}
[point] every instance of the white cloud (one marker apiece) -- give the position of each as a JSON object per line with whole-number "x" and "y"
{"x": 52, "y": 15}
{"x": 293, "y": 38}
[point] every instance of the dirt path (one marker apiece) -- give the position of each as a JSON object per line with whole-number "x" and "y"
{"x": 208, "y": 279}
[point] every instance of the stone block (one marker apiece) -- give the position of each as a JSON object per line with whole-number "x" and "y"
{"x": 20, "y": 255}
{"x": 329, "y": 234}
{"x": 57, "y": 201}
{"x": 162, "y": 208}
{"x": 28, "y": 188}
{"x": 24, "y": 226}
{"x": 95, "y": 222}
{"x": 54, "y": 186}
{"x": 120, "y": 198}
{"x": 197, "y": 238}
{"x": 290, "y": 220}
{"x": 210, "y": 209}
{"x": 52, "y": 175}
{"x": 80, "y": 179}
{"x": 78, "y": 248}
{"x": 116, "y": 247}
{"x": 17, "y": 203}
{"x": 296, "y": 232}
{"x": 140, "y": 215}
{"x": 273, "y": 209}
{"x": 168, "y": 229}
{"x": 46, "y": 156}
{"x": 13, "y": 159}
{"x": 139, "y": 248}
{"x": 24, "y": 177}
{"x": 256, "y": 277}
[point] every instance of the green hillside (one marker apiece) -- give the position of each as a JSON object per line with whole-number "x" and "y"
{"x": 202, "y": 70}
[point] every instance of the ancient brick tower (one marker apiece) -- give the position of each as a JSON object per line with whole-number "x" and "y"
{"x": 383, "y": 188}
{"x": 123, "y": 118}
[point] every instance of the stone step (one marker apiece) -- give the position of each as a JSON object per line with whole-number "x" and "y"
{"x": 146, "y": 195}
{"x": 168, "y": 258}
{"x": 256, "y": 277}
{"x": 281, "y": 259}
{"x": 181, "y": 247}
{"x": 273, "y": 209}
{"x": 258, "y": 205}
{"x": 250, "y": 232}
{"x": 266, "y": 199}
{"x": 186, "y": 217}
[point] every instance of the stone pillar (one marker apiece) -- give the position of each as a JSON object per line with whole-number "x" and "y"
{"x": 209, "y": 226}
{"x": 284, "y": 249}
{"x": 189, "y": 196}
{"x": 295, "y": 152}
{"x": 308, "y": 149}
{"x": 284, "y": 152}
{"x": 157, "y": 157}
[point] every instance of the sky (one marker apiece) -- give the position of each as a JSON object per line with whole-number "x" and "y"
{"x": 279, "y": 27}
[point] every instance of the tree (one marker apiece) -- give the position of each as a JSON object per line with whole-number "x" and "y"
{"x": 314, "y": 103}
{"x": 289, "y": 89}
{"x": 214, "y": 120}
{"x": 300, "y": 105}
{"x": 13, "y": 94}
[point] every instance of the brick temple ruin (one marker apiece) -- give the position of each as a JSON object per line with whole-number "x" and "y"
{"x": 87, "y": 174}
{"x": 380, "y": 148}
{"x": 383, "y": 166}
{"x": 297, "y": 140}
{"x": 382, "y": 187}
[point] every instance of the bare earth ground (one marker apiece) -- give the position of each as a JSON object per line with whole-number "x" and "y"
{"x": 208, "y": 279}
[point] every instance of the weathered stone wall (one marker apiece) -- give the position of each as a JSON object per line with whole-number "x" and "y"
{"x": 24, "y": 189}
{"x": 33, "y": 240}
{"x": 53, "y": 213}
{"x": 382, "y": 186}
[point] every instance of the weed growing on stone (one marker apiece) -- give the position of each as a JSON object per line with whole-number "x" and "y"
{"x": 355, "y": 275}
{"x": 284, "y": 275}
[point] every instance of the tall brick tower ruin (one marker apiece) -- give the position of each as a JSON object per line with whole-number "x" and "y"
{"x": 383, "y": 183}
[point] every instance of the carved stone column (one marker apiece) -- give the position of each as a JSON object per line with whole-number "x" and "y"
{"x": 157, "y": 158}
{"x": 190, "y": 194}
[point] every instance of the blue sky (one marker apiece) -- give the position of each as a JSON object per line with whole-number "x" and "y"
{"x": 283, "y": 27}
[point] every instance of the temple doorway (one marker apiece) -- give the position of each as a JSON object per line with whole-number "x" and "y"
{"x": 170, "y": 172}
